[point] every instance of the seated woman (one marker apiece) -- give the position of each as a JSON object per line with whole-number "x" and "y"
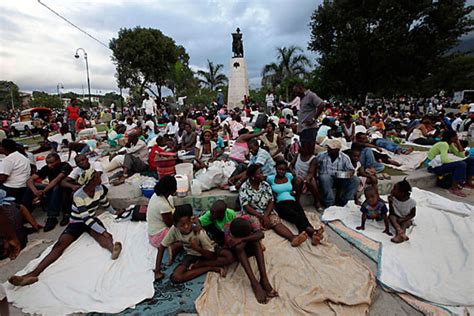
{"x": 205, "y": 151}
{"x": 439, "y": 163}
{"x": 86, "y": 201}
{"x": 188, "y": 141}
{"x": 272, "y": 142}
{"x": 423, "y": 134}
{"x": 286, "y": 205}
{"x": 256, "y": 199}
{"x": 304, "y": 167}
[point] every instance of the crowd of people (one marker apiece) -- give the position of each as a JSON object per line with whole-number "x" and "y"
{"x": 333, "y": 151}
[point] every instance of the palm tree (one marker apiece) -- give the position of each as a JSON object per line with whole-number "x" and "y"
{"x": 212, "y": 78}
{"x": 291, "y": 64}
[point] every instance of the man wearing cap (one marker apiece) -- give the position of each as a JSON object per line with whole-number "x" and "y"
{"x": 311, "y": 106}
{"x": 329, "y": 163}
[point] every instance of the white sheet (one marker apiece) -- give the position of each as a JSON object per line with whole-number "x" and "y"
{"x": 409, "y": 162}
{"x": 417, "y": 145}
{"x": 437, "y": 263}
{"x": 84, "y": 279}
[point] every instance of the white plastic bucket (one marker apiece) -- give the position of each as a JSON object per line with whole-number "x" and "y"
{"x": 196, "y": 189}
{"x": 185, "y": 169}
{"x": 182, "y": 185}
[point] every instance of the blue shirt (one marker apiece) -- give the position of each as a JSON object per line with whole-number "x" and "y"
{"x": 374, "y": 212}
{"x": 282, "y": 190}
{"x": 220, "y": 142}
{"x": 327, "y": 166}
{"x": 264, "y": 159}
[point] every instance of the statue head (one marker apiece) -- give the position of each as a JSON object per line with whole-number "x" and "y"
{"x": 238, "y": 30}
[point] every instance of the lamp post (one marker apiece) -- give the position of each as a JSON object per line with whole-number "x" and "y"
{"x": 87, "y": 69}
{"x": 60, "y": 86}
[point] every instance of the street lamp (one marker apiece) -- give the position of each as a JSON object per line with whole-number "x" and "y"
{"x": 87, "y": 69}
{"x": 60, "y": 86}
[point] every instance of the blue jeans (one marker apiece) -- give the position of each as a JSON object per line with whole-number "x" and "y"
{"x": 367, "y": 160}
{"x": 345, "y": 187}
{"x": 52, "y": 202}
{"x": 86, "y": 149}
{"x": 459, "y": 169}
{"x": 388, "y": 145}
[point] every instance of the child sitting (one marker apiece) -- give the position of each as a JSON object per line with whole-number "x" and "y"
{"x": 214, "y": 220}
{"x": 374, "y": 208}
{"x": 402, "y": 210}
{"x": 197, "y": 246}
{"x": 243, "y": 236}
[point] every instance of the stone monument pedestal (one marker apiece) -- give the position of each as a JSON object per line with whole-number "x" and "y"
{"x": 238, "y": 83}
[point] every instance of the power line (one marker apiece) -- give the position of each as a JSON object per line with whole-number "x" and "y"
{"x": 77, "y": 27}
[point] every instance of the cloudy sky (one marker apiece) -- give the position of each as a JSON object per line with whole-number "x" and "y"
{"x": 37, "y": 48}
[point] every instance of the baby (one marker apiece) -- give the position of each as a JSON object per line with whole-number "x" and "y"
{"x": 374, "y": 208}
{"x": 402, "y": 210}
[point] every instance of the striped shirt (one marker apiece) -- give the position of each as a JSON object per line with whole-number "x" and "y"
{"x": 327, "y": 166}
{"x": 84, "y": 207}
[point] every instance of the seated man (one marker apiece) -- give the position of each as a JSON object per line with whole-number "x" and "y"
{"x": 52, "y": 194}
{"x": 329, "y": 163}
{"x": 14, "y": 170}
{"x": 133, "y": 158}
{"x": 86, "y": 201}
{"x": 76, "y": 178}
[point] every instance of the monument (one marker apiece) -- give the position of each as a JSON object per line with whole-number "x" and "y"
{"x": 238, "y": 79}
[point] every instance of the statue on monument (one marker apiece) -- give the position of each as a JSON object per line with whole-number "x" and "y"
{"x": 237, "y": 44}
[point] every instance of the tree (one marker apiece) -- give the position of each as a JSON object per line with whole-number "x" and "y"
{"x": 144, "y": 56}
{"x": 41, "y": 98}
{"x": 291, "y": 64}
{"x": 386, "y": 47}
{"x": 9, "y": 93}
{"x": 212, "y": 78}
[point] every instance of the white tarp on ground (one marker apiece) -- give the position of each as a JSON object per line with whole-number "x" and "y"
{"x": 85, "y": 279}
{"x": 437, "y": 263}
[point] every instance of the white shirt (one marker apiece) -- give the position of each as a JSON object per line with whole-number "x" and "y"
{"x": 156, "y": 206}
{"x": 58, "y": 138}
{"x": 77, "y": 172}
{"x": 150, "y": 124}
{"x": 455, "y": 124}
{"x": 269, "y": 98}
{"x": 149, "y": 106}
{"x": 17, "y": 168}
{"x": 129, "y": 126}
{"x": 112, "y": 108}
{"x": 172, "y": 129}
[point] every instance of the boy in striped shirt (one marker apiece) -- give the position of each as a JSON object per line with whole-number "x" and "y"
{"x": 86, "y": 201}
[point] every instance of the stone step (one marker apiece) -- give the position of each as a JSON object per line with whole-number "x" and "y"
{"x": 124, "y": 195}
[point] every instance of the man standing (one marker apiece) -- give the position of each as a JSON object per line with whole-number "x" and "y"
{"x": 269, "y": 100}
{"x": 51, "y": 195}
{"x": 15, "y": 170}
{"x": 311, "y": 106}
{"x": 149, "y": 106}
{"x": 220, "y": 99}
{"x": 112, "y": 110}
{"x": 72, "y": 115}
{"x": 329, "y": 163}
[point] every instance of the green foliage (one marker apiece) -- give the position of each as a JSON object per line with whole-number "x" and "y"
{"x": 291, "y": 64}
{"x": 9, "y": 89}
{"x": 144, "y": 56}
{"x": 386, "y": 47}
{"x": 212, "y": 78}
{"x": 41, "y": 98}
{"x": 111, "y": 97}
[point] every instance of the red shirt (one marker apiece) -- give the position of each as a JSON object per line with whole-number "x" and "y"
{"x": 73, "y": 112}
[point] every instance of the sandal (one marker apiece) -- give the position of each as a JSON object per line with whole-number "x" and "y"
{"x": 457, "y": 192}
{"x": 386, "y": 176}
